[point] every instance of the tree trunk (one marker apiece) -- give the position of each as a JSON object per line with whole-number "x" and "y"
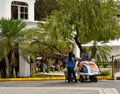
{"x": 77, "y": 40}
{"x": 7, "y": 66}
{"x": 78, "y": 43}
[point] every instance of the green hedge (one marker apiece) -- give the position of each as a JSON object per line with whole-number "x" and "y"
{"x": 105, "y": 73}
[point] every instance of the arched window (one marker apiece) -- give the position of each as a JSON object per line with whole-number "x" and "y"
{"x": 19, "y": 10}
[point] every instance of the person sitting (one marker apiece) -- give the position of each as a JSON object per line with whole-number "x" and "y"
{"x": 57, "y": 66}
{"x": 43, "y": 66}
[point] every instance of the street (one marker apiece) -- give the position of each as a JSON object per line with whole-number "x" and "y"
{"x": 60, "y": 86}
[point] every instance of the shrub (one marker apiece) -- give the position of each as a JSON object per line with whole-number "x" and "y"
{"x": 48, "y": 69}
{"x": 14, "y": 73}
{"x": 105, "y": 73}
{"x": 105, "y": 65}
{"x": 98, "y": 64}
{"x": 33, "y": 72}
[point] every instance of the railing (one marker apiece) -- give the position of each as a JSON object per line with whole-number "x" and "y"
{"x": 115, "y": 64}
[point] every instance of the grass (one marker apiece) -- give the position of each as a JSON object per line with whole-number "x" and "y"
{"x": 44, "y": 76}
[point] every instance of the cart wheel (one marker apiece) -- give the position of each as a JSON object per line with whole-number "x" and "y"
{"x": 91, "y": 78}
{"x": 81, "y": 79}
{"x": 95, "y": 79}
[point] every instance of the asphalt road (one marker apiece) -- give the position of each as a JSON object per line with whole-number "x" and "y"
{"x": 61, "y": 84}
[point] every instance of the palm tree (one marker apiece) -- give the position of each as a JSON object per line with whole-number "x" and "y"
{"x": 100, "y": 53}
{"x": 10, "y": 36}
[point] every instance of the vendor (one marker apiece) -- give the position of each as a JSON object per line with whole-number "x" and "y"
{"x": 86, "y": 55}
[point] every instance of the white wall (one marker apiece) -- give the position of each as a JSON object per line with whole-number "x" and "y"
{"x": 24, "y": 68}
{"x": 115, "y": 51}
{"x": 31, "y": 24}
{"x": 2, "y": 8}
{"x": 77, "y": 51}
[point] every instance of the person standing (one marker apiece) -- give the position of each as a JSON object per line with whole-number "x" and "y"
{"x": 70, "y": 67}
{"x": 85, "y": 54}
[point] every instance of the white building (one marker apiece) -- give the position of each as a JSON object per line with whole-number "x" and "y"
{"x": 114, "y": 44}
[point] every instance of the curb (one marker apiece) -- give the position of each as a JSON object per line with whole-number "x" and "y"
{"x": 104, "y": 77}
{"x": 49, "y": 78}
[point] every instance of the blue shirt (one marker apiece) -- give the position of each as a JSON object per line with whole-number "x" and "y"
{"x": 86, "y": 55}
{"x": 70, "y": 63}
